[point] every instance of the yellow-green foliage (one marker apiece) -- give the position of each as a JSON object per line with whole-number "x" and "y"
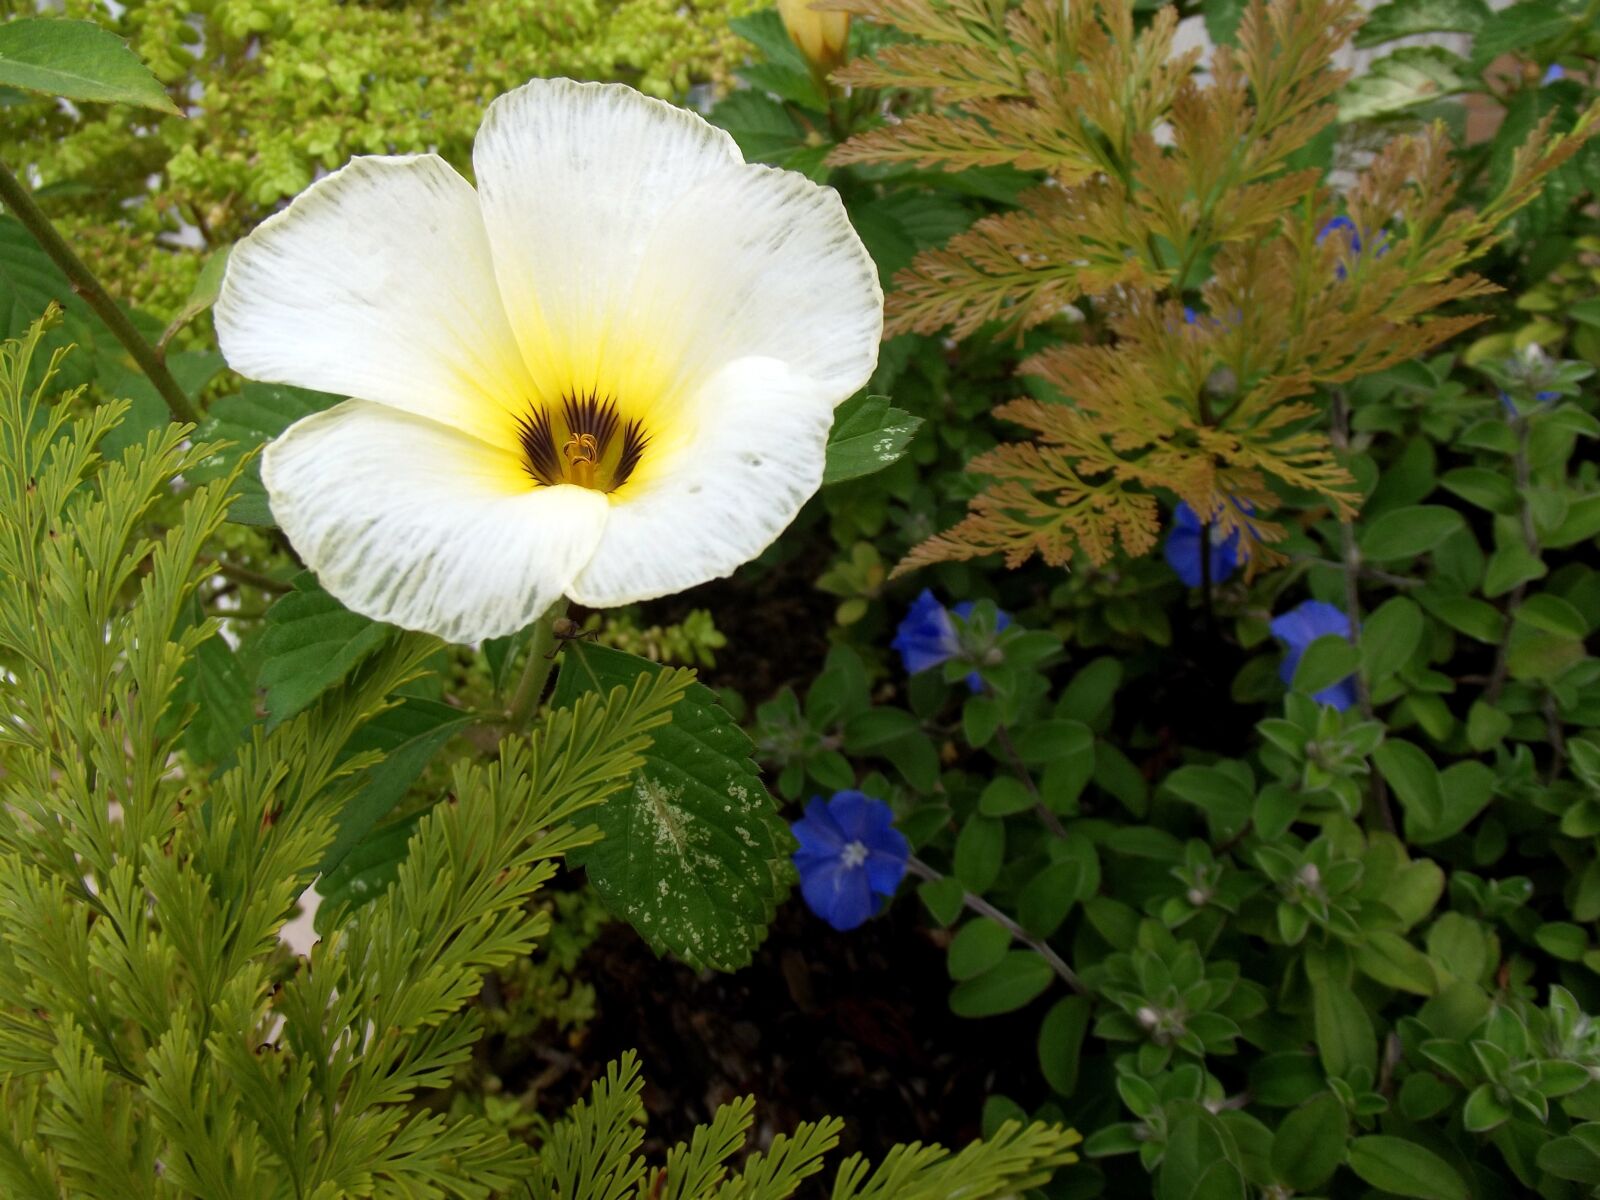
{"x": 1181, "y": 215}
{"x": 693, "y": 642}
{"x": 278, "y": 91}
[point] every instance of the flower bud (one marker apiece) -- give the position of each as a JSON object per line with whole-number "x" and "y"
{"x": 821, "y": 36}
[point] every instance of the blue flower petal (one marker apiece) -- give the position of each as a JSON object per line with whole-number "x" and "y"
{"x": 926, "y": 637}
{"x": 852, "y": 813}
{"x": 1301, "y": 626}
{"x": 1352, "y": 237}
{"x": 886, "y": 867}
{"x": 1305, "y": 623}
{"x": 838, "y": 894}
{"x": 817, "y": 832}
{"x": 1182, "y": 550}
{"x": 1340, "y": 695}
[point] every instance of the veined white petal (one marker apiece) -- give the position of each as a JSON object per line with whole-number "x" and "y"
{"x": 751, "y": 454}
{"x": 760, "y": 262}
{"x": 573, "y": 178}
{"x": 377, "y": 282}
{"x": 415, "y": 523}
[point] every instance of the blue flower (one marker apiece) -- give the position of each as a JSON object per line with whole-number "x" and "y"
{"x": 1183, "y": 549}
{"x": 1352, "y": 240}
{"x": 1541, "y": 397}
{"x": 851, "y": 857}
{"x": 928, "y": 637}
{"x": 1301, "y": 626}
{"x": 1554, "y": 73}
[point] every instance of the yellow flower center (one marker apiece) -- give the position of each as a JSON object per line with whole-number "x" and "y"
{"x": 586, "y": 443}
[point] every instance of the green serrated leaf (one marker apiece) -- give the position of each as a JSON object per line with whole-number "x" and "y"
{"x": 78, "y": 60}
{"x": 30, "y": 282}
{"x": 310, "y": 643}
{"x": 694, "y": 855}
{"x": 1519, "y": 28}
{"x": 147, "y": 411}
{"x": 1412, "y": 76}
{"x": 364, "y": 873}
{"x": 1407, "y": 18}
{"x": 248, "y": 420}
{"x": 762, "y": 127}
{"x": 868, "y": 434}
{"x": 407, "y": 736}
{"x": 224, "y": 702}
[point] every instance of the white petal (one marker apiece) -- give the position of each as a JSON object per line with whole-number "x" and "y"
{"x": 377, "y": 282}
{"x": 761, "y": 262}
{"x": 573, "y": 179}
{"x": 751, "y": 456}
{"x": 415, "y": 523}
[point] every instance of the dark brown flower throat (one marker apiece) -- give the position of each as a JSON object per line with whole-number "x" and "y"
{"x": 586, "y": 444}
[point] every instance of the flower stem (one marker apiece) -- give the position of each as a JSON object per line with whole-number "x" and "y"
{"x": 84, "y": 283}
{"x": 983, "y": 908}
{"x": 536, "y": 671}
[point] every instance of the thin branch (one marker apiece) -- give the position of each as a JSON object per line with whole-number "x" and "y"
{"x": 1339, "y": 435}
{"x": 982, "y": 907}
{"x": 1558, "y": 740}
{"x": 1369, "y": 571}
{"x": 84, "y": 283}
{"x": 1050, "y": 820}
{"x": 1530, "y": 539}
{"x": 250, "y": 578}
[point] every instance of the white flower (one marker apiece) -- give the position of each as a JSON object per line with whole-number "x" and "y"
{"x": 607, "y": 373}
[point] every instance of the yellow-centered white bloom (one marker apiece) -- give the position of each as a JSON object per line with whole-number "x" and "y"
{"x": 608, "y": 372}
{"x": 820, "y": 36}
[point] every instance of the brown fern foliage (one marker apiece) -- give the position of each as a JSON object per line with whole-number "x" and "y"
{"x": 1170, "y": 211}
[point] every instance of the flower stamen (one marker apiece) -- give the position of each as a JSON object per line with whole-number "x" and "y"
{"x": 592, "y": 455}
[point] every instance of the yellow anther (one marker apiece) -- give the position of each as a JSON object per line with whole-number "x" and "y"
{"x": 583, "y": 456}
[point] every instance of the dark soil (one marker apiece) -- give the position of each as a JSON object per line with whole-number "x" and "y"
{"x": 854, "y": 1025}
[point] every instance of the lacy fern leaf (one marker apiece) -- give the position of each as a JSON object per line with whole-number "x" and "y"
{"x": 1171, "y": 213}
